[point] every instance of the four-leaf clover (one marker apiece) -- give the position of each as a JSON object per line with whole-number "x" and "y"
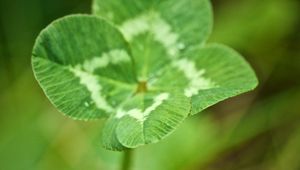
{"x": 142, "y": 64}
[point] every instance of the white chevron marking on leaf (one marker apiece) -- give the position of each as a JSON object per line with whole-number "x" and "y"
{"x": 196, "y": 80}
{"x": 112, "y": 57}
{"x": 152, "y": 22}
{"x": 91, "y": 83}
{"x": 142, "y": 115}
{"x": 135, "y": 26}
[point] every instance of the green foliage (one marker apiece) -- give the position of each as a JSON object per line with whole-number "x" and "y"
{"x": 143, "y": 65}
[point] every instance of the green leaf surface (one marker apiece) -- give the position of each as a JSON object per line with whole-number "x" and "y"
{"x": 188, "y": 21}
{"x": 157, "y": 30}
{"x": 81, "y": 62}
{"x": 109, "y": 136}
{"x": 158, "y": 114}
{"x": 208, "y": 75}
{"x": 144, "y": 66}
{"x": 222, "y": 73}
{"x": 145, "y": 118}
{"x": 103, "y": 82}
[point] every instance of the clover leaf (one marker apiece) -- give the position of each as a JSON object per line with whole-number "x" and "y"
{"x": 142, "y": 64}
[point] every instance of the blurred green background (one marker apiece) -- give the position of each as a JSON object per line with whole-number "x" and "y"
{"x": 259, "y": 130}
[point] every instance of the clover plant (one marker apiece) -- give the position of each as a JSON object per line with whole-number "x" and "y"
{"x": 143, "y": 65}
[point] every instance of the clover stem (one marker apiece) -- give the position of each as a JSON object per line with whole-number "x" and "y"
{"x": 142, "y": 87}
{"x": 127, "y": 159}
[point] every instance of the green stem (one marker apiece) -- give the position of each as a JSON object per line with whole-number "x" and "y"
{"x": 127, "y": 159}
